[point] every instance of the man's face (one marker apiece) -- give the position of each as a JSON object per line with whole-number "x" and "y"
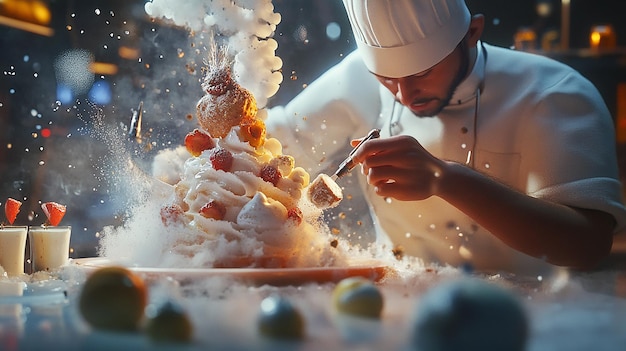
{"x": 428, "y": 92}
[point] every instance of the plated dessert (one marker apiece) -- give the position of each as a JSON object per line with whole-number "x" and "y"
{"x": 238, "y": 201}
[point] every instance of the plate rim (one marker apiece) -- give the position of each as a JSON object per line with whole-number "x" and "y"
{"x": 376, "y": 271}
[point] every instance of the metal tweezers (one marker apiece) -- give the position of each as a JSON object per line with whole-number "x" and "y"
{"x": 348, "y": 164}
{"x": 134, "y": 130}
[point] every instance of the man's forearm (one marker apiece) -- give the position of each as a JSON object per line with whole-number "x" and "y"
{"x": 560, "y": 234}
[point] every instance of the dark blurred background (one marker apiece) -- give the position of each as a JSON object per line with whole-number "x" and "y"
{"x": 72, "y": 71}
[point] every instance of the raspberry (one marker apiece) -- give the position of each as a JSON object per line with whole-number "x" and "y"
{"x": 213, "y": 209}
{"x": 218, "y": 81}
{"x": 221, "y": 159}
{"x": 171, "y": 214}
{"x": 295, "y": 214}
{"x": 270, "y": 174}
{"x": 217, "y": 89}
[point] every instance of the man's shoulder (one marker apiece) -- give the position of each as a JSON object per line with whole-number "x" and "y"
{"x": 524, "y": 60}
{"x": 529, "y": 69}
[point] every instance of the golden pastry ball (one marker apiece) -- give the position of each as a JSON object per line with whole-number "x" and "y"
{"x": 359, "y": 297}
{"x": 113, "y": 298}
{"x": 217, "y": 114}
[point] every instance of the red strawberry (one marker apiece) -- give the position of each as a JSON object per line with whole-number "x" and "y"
{"x": 54, "y": 212}
{"x": 213, "y": 209}
{"x": 198, "y": 141}
{"x": 171, "y": 214}
{"x": 222, "y": 159}
{"x": 11, "y": 209}
{"x": 295, "y": 214}
{"x": 270, "y": 174}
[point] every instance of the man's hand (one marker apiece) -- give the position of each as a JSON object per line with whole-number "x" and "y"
{"x": 399, "y": 167}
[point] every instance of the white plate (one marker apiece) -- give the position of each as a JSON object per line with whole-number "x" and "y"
{"x": 371, "y": 269}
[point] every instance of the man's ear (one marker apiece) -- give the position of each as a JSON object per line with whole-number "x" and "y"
{"x": 477, "y": 24}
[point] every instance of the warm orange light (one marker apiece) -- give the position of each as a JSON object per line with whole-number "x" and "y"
{"x": 595, "y": 39}
{"x": 550, "y": 40}
{"x": 525, "y": 39}
{"x": 26, "y": 26}
{"x": 602, "y": 36}
{"x": 103, "y": 68}
{"x": 33, "y": 11}
{"x": 28, "y": 15}
{"x": 128, "y": 53}
{"x": 41, "y": 12}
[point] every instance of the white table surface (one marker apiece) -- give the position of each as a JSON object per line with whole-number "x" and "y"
{"x": 566, "y": 312}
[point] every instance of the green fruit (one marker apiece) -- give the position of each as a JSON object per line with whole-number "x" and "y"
{"x": 359, "y": 297}
{"x": 169, "y": 323}
{"x": 113, "y": 298}
{"x": 279, "y": 319}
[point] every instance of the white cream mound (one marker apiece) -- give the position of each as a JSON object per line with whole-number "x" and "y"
{"x": 264, "y": 224}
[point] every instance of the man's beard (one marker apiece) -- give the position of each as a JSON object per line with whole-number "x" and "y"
{"x": 458, "y": 78}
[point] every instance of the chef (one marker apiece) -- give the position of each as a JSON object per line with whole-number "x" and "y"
{"x": 489, "y": 158}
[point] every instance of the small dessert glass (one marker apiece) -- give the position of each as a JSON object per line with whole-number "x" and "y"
{"x": 12, "y": 249}
{"x": 49, "y": 247}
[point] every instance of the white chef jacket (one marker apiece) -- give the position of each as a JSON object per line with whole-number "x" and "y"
{"x": 536, "y": 125}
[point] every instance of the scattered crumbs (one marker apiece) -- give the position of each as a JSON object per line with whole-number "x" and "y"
{"x": 398, "y": 252}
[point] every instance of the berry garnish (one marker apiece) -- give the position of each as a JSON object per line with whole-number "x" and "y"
{"x": 54, "y": 212}
{"x": 218, "y": 81}
{"x": 198, "y": 141}
{"x": 295, "y": 214}
{"x": 171, "y": 214}
{"x": 221, "y": 159}
{"x": 11, "y": 209}
{"x": 270, "y": 174}
{"x": 213, "y": 209}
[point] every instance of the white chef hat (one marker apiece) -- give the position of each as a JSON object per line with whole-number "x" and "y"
{"x": 399, "y": 38}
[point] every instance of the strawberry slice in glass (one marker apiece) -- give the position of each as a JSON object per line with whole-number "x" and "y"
{"x": 11, "y": 209}
{"x": 54, "y": 212}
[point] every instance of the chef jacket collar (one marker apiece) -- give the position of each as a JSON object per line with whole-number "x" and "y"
{"x": 467, "y": 89}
